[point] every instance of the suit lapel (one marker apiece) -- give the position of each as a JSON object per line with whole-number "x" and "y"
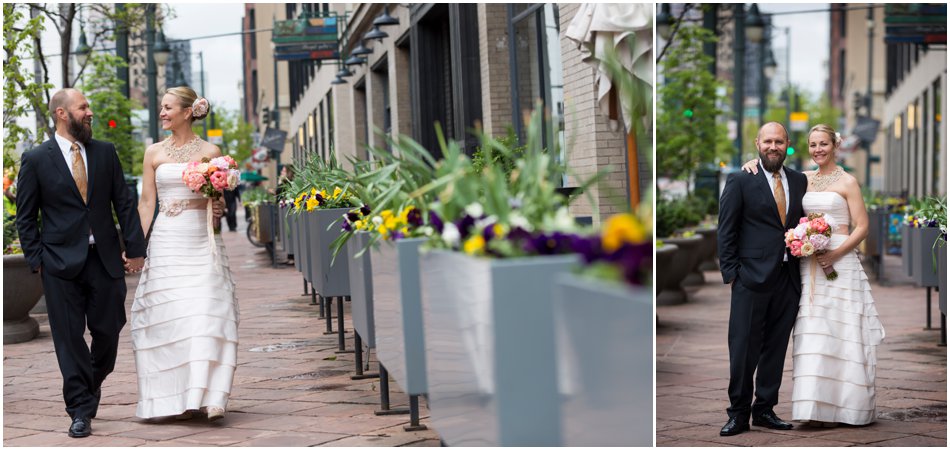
{"x": 92, "y": 160}
{"x": 59, "y": 163}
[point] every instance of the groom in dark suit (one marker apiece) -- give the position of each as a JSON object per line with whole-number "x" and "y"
{"x": 755, "y": 210}
{"x": 73, "y": 183}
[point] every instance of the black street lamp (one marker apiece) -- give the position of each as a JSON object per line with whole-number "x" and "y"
{"x": 664, "y": 22}
{"x": 83, "y": 50}
{"x": 385, "y": 19}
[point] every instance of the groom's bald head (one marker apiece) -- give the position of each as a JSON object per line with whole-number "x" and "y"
{"x": 770, "y": 125}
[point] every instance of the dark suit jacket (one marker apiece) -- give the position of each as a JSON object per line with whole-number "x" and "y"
{"x": 751, "y": 236}
{"x": 60, "y": 241}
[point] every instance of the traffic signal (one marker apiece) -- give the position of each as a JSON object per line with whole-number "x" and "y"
{"x": 790, "y": 151}
{"x": 688, "y": 113}
{"x": 112, "y": 123}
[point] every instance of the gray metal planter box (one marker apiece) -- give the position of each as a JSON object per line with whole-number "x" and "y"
{"x": 877, "y": 233}
{"x": 491, "y": 361}
{"x": 265, "y": 226}
{"x": 306, "y": 257}
{"x": 925, "y": 272}
{"x": 361, "y": 287}
{"x": 605, "y": 359}
{"x": 397, "y": 304}
{"x": 942, "y": 274}
{"x": 286, "y": 233}
{"x": 330, "y": 280}
{"x": 907, "y": 249}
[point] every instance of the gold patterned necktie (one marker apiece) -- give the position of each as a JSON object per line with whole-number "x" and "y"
{"x": 79, "y": 170}
{"x": 779, "y": 193}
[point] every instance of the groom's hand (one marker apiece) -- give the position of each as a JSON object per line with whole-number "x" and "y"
{"x": 133, "y": 265}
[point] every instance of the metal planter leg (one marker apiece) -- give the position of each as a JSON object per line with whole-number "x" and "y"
{"x": 358, "y": 353}
{"x": 341, "y": 330}
{"x": 384, "y": 409}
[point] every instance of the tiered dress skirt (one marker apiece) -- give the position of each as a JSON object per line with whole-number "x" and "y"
{"x": 835, "y": 341}
{"x": 184, "y": 319}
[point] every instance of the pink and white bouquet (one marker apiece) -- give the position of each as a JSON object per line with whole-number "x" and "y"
{"x": 210, "y": 177}
{"x": 812, "y": 236}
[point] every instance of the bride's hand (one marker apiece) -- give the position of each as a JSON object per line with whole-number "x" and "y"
{"x": 828, "y": 258}
{"x": 751, "y": 166}
{"x": 217, "y": 208}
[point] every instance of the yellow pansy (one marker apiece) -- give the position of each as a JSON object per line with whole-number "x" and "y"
{"x": 498, "y": 230}
{"x": 620, "y": 229}
{"x": 312, "y": 203}
{"x": 336, "y": 192}
{"x": 358, "y": 224}
{"x": 383, "y": 231}
{"x": 474, "y": 244}
{"x": 313, "y": 191}
{"x": 323, "y": 193}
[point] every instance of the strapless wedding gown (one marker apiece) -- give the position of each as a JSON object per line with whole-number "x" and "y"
{"x": 836, "y": 333}
{"x": 185, "y": 314}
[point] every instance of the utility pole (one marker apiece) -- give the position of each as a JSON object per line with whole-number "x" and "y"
{"x": 122, "y": 49}
{"x": 738, "y": 75}
{"x": 201, "y": 60}
{"x": 867, "y": 95}
{"x": 151, "y": 70}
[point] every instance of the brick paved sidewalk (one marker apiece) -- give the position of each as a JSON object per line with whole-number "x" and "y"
{"x": 693, "y": 374}
{"x": 290, "y": 389}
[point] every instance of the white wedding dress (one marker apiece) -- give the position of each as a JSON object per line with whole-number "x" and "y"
{"x": 185, "y": 314}
{"x": 836, "y": 333}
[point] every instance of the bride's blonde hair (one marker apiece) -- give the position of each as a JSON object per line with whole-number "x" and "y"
{"x": 835, "y": 138}
{"x": 187, "y": 97}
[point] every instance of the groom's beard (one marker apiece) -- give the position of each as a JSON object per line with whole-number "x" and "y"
{"x": 80, "y": 130}
{"x": 769, "y": 164}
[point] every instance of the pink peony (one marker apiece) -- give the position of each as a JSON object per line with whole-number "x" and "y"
{"x": 819, "y": 225}
{"x": 803, "y": 220}
{"x": 820, "y": 241}
{"x": 801, "y": 230}
{"x": 194, "y": 181}
{"x": 219, "y": 180}
{"x": 220, "y": 163}
{"x": 232, "y": 164}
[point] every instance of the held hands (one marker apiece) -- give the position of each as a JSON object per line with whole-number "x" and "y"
{"x": 751, "y": 166}
{"x": 133, "y": 265}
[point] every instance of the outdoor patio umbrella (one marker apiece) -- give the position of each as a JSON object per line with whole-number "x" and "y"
{"x": 625, "y": 96}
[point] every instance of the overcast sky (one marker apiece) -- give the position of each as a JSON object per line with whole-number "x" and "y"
{"x": 810, "y": 41}
{"x": 223, "y": 59}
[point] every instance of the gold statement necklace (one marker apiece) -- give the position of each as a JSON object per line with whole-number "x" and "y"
{"x": 821, "y": 182}
{"x": 184, "y": 153}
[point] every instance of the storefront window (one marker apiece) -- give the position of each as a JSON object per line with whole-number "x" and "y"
{"x": 537, "y": 75}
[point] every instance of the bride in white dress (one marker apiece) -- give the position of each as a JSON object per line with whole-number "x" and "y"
{"x": 185, "y": 314}
{"x": 837, "y": 330}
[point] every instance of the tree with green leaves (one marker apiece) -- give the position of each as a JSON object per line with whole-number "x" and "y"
{"x": 689, "y": 132}
{"x": 113, "y": 111}
{"x": 238, "y": 135}
{"x": 21, "y": 94}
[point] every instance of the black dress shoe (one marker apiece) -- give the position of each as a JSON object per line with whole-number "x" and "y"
{"x": 81, "y": 427}
{"x": 768, "y": 419}
{"x": 734, "y": 426}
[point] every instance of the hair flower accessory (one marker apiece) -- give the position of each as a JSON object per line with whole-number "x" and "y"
{"x": 200, "y": 107}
